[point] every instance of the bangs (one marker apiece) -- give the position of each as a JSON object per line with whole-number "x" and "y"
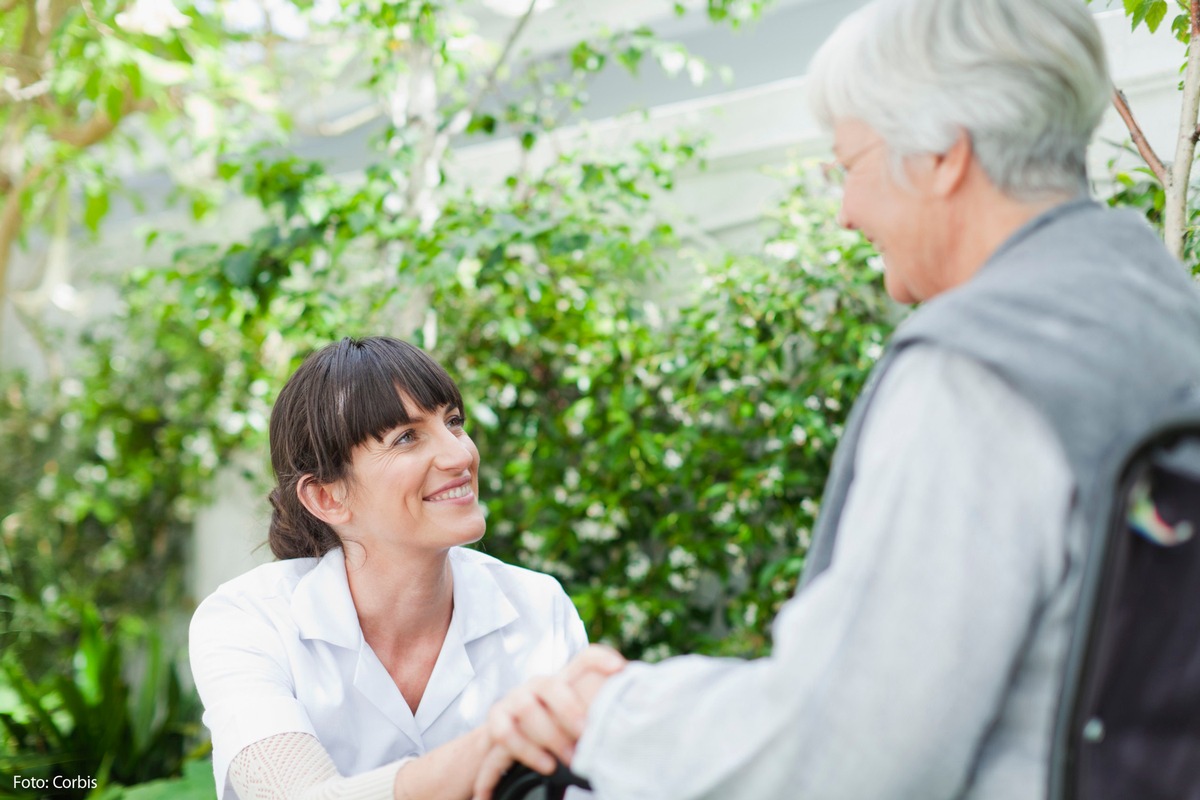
{"x": 364, "y": 381}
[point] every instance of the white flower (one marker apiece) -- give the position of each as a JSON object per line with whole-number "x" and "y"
{"x": 508, "y": 396}
{"x": 782, "y": 250}
{"x": 799, "y": 435}
{"x": 633, "y": 621}
{"x": 639, "y": 566}
{"x": 591, "y": 531}
{"x": 152, "y": 17}
{"x": 771, "y": 478}
{"x": 672, "y": 61}
{"x": 679, "y": 558}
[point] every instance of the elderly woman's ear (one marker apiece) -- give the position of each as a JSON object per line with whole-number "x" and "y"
{"x": 953, "y": 165}
{"x": 325, "y": 501}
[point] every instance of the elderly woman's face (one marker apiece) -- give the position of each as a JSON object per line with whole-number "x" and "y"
{"x": 893, "y": 217}
{"x": 419, "y": 486}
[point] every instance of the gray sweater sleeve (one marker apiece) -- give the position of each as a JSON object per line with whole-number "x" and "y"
{"x": 888, "y": 670}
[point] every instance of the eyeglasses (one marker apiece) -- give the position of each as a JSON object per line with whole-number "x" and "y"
{"x": 838, "y": 170}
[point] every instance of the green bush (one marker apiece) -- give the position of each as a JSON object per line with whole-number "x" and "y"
{"x": 196, "y": 783}
{"x": 118, "y": 715}
{"x": 665, "y": 462}
{"x": 655, "y": 427}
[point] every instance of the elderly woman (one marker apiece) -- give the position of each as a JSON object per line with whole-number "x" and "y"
{"x": 923, "y": 655}
{"x": 363, "y": 661}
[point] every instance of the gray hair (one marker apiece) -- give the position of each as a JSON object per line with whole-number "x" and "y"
{"x": 1027, "y": 80}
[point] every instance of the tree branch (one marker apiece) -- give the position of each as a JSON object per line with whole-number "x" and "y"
{"x": 93, "y": 18}
{"x": 23, "y": 94}
{"x": 1175, "y": 205}
{"x": 10, "y": 225}
{"x": 344, "y": 123}
{"x": 1139, "y": 138}
{"x": 29, "y": 35}
{"x": 97, "y": 126}
{"x": 19, "y": 61}
{"x": 458, "y": 123}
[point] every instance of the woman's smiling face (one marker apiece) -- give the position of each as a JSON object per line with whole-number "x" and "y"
{"x": 417, "y": 485}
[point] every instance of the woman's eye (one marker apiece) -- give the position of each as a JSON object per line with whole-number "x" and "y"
{"x": 455, "y": 421}
{"x": 408, "y": 437}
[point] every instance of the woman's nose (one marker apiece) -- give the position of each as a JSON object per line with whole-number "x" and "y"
{"x": 453, "y": 452}
{"x": 843, "y": 220}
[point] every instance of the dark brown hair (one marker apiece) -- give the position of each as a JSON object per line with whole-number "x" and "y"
{"x": 341, "y": 395}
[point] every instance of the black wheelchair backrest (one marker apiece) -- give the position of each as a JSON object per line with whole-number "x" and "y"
{"x": 1132, "y": 706}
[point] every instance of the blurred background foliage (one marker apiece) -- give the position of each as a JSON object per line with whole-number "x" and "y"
{"x": 655, "y": 420}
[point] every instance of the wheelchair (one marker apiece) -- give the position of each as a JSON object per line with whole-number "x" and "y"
{"x": 1129, "y": 720}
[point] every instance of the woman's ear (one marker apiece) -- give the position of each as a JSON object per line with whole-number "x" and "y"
{"x": 325, "y": 501}
{"x": 951, "y": 167}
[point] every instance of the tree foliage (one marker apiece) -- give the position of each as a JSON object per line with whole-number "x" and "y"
{"x": 655, "y": 420}
{"x": 74, "y": 75}
{"x": 1170, "y": 205}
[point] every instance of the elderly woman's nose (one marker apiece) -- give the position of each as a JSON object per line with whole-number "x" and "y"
{"x": 843, "y": 220}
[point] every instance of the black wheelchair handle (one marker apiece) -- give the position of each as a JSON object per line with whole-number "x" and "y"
{"x": 520, "y": 782}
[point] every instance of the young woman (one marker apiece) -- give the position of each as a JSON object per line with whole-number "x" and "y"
{"x": 363, "y": 663}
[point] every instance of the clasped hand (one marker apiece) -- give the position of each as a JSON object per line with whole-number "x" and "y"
{"x": 539, "y": 722}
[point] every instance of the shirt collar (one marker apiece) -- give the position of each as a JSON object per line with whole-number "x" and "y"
{"x": 322, "y": 605}
{"x": 480, "y": 604}
{"x": 323, "y": 608}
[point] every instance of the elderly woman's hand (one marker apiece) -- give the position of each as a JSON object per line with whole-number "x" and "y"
{"x": 539, "y": 723}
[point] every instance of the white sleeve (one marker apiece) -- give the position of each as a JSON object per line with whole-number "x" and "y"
{"x": 294, "y": 766}
{"x": 569, "y": 627}
{"x": 889, "y": 668}
{"x": 244, "y": 680}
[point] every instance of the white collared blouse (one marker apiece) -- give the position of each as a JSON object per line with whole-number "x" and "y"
{"x": 279, "y": 650}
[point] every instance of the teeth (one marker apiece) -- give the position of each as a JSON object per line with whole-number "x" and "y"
{"x": 461, "y": 491}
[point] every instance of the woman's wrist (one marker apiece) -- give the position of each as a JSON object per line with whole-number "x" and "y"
{"x": 429, "y": 775}
{"x": 400, "y": 783}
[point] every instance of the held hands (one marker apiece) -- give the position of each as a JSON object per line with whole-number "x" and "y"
{"x": 540, "y": 722}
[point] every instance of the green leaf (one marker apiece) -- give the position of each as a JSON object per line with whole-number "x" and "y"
{"x": 114, "y": 102}
{"x": 95, "y": 205}
{"x": 585, "y": 58}
{"x": 33, "y": 702}
{"x": 482, "y": 123}
{"x": 1181, "y": 26}
{"x": 239, "y": 265}
{"x": 1156, "y": 14}
{"x": 631, "y": 58}
{"x": 161, "y": 71}
{"x": 1136, "y": 10}
{"x": 197, "y": 783}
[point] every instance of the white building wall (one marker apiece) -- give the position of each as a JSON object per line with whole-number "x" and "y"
{"x": 751, "y": 129}
{"x": 758, "y": 122}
